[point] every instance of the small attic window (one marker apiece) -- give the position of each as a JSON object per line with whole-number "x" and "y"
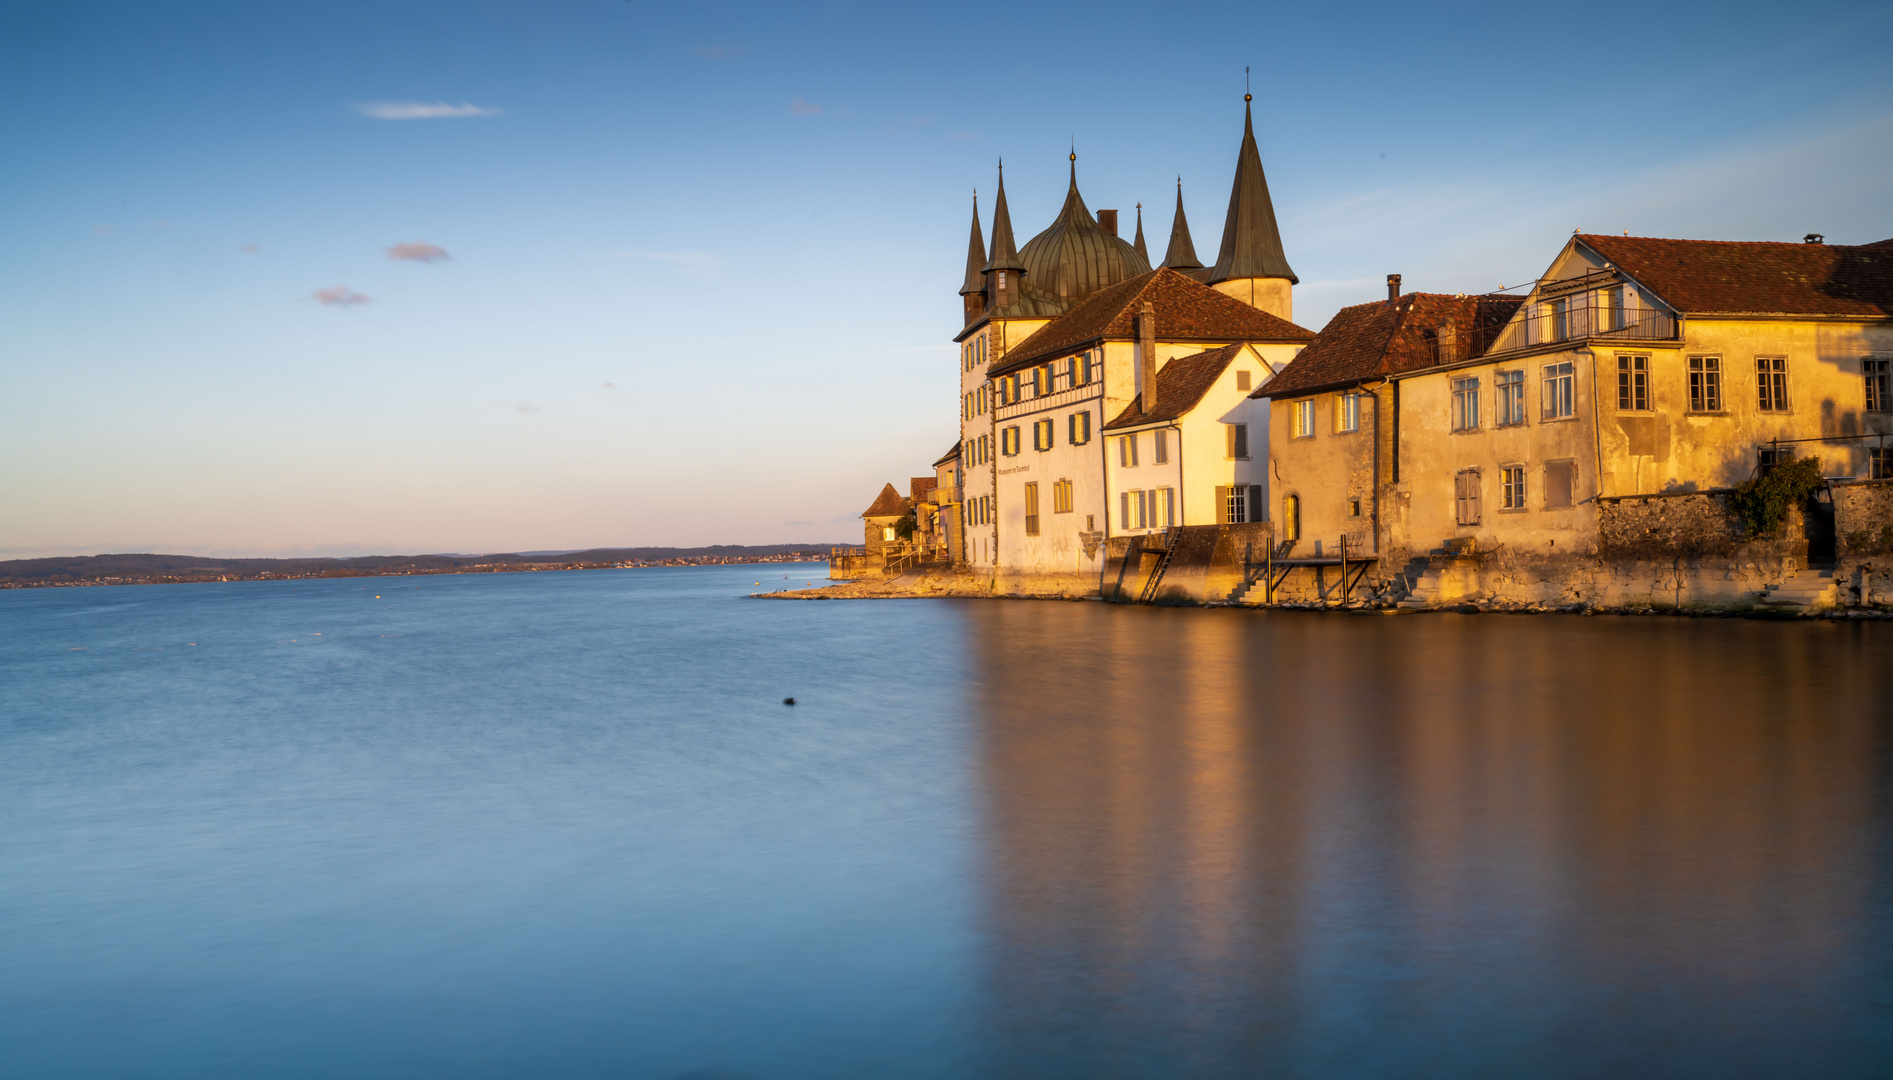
{"x": 1242, "y": 380}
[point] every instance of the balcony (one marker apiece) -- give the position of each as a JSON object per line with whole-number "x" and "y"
{"x": 1589, "y": 315}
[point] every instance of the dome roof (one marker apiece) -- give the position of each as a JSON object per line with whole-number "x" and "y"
{"x": 1075, "y": 256}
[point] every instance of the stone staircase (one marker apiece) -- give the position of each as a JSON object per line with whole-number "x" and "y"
{"x": 1811, "y": 589}
{"x": 1425, "y": 591}
{"x": 1255, "y": 592}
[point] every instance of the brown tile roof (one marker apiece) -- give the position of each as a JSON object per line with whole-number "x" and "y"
{"x": 1181, "y": 384}
{"x": 949, "y": 455}
{"x": 1372, "y": 341}
{"x": 919, "y": 487}
{"x": 1700, "y": 276}
{"x": 1186, "y": 310}
{"x": 887, "y": 504}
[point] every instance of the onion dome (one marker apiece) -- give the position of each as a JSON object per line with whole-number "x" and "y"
{"x": 1075, "y": 256}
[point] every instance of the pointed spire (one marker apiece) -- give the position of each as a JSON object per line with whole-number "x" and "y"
{"x": 1182, "y": 253}
{"x": 1252, "y": 245}
{"x": 1005, "y": 253}
{"x": 975, "y": 256}
{"x": 1139, "y": 242}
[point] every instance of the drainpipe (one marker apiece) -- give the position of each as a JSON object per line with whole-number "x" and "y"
{"x": 1374, "y": 392}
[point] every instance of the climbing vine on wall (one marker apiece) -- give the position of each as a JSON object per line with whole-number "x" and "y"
{"x": 1763, "y": 502}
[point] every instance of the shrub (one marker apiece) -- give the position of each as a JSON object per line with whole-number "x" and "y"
{"x": 904, "y": 528}
{"x": 1763, "y": 502}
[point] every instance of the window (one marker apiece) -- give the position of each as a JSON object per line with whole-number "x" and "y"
{"x": 1560, "y": 319}
{"x": 1081, "y": 370}
{"x": 1045, "y": 379}
{"x": 1009, "y": 441}
{"x": 1466, "y": 497}
{"x": 1042, "y": 434}
{"x": 1238, "y": 440}
{"x": 1242, "y": 380}
{"x": 1879, "y": 374}
{"x": 1560, "y": 484}
{"x": 1633, "y": 383}
{"x": 1511, "y": 390}
{"x": 1160, "y": 447}
{"x": 1031, "y": 509}
{"x": 1771, "y": 377}
{"x": 1130, "y": 509}
{"x": 1163, "y": 507}
{"x": 1767, "y": 458}
{"x": 1236, "y": 502}
{"x": 1353, "y": 508}
{"x": 1291, "y": 517}
{"x": 1879, "y": 463}
{"x": 1705, "y": 384}
{"x": 1061, "y": 497}
{"x": 1347, "y": 412}
{"x": 1304, "y": 419}
{"x": 1080, "y": 428}
{"x": 1512, "y": 486}
{"x": 1614, "y": 307}
{"x": 1559, "y": 403}
{"x": 1465, "y": 404}
{"x": 1127, "y": 452}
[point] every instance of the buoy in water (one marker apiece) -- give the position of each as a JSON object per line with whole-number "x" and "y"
{"x": 788, "y": 701}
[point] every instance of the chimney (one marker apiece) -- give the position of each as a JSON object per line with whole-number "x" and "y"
{"x": 1147, "y": 355}
{"x": 1811, "y": 238}
{"x": 1393, "y": 286}
{"x": 1108, "y": 219}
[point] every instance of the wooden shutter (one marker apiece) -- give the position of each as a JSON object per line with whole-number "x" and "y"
{"x": 1123, "y": 509}
{"x": 1255, "y": 502}
{"x": 1222, "y": 505}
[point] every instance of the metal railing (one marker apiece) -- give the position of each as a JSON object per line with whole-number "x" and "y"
{"x": 1583, "y": 316}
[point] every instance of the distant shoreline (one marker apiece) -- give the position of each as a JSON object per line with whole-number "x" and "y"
{"x": 89, "y": 570}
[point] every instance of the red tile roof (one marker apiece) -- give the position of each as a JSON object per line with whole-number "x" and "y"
{"x": 1703, "y": 276}
{"x": 949, "y": 455}
{"x": 919, "y": 487}
{"x": 887, "y": 504}
{"x": 1185, "y": 310}
{"x": 1372, "y": 341}
{"x": 1181, "y": 384}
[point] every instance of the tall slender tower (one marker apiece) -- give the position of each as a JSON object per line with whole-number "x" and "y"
{"x": 1181, "y": 255}
{"x": 1251, "y": 266}
{"x": 973, "y": 289}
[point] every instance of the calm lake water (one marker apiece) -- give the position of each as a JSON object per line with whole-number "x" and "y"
{"x": 561, "y": 825}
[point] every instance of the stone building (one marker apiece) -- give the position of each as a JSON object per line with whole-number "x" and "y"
{"x": 1585, "y": 448}
{"x": 1062, "y": 335}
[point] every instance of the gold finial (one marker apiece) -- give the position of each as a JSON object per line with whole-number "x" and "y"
{"x": 1246, "y": 95}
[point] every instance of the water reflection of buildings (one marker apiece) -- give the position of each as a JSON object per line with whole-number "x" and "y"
{"x": 1217, "y": 843}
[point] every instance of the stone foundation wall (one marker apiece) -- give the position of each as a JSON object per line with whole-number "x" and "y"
{"x": 1863, "y": 519}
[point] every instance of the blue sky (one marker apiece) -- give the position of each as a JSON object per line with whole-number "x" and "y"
{"x": 699, "y": 269}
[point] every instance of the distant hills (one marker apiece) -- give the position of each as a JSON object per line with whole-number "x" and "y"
{"x": 145, "y": 569}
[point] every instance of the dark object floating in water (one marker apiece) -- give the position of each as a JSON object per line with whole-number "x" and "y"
{"x": 788, "y": 701}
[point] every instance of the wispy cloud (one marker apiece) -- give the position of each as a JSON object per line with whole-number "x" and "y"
{"x": 422, "y": 110}
{"x": 339, "y": 296}
{"x": 611, "y": 386}
{"x": 417, "y": 252}
{"x": 102, "y": 230}
{"x": 698, "y": 261}
{"x": 804, "y": 108}
{"x": 524, "y": 409}
{"x": 251, "y": 248}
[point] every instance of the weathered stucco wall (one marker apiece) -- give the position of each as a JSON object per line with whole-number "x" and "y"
{"x": 1432, "y": 455}
{"x": 1327, "y": 472}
